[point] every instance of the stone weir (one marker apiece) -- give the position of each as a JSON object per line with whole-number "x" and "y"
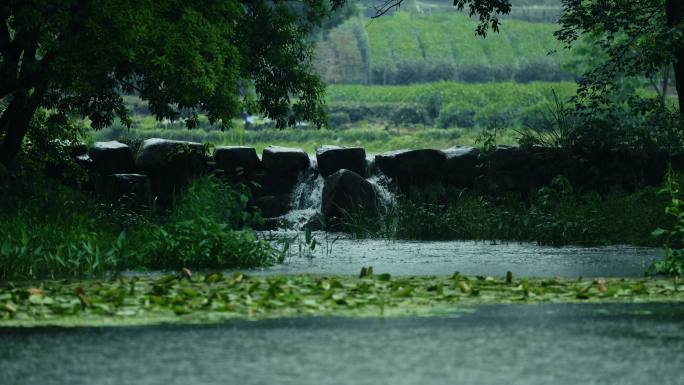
{"x": 293, "y": 188}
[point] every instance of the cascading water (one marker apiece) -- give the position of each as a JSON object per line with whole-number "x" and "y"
{"x": 381, "y": 183}
{"x": 306, "y": 198}
{"x": 307, "y": 195}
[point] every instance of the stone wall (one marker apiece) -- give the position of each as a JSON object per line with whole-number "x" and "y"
{"x": 160, "y": 168}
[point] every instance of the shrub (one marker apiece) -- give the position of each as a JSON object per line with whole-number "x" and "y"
{"x": 409, "y": 115}
{"x": 673, "y": 237}
{"x": 50, "y": 230}
{"x": 457, "y": 115}
{"x": 338, "y": 119}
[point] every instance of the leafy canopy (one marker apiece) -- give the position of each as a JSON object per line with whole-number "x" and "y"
{"x": 80, "y": 56}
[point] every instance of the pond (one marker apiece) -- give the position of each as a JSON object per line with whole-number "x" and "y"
{"x": 337, "y": 254}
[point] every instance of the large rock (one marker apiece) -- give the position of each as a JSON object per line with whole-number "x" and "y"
{"x": 170, "y": 164}
{"x": 129, "y": 189}
{"x": 273, "y": 205}
{"x": 111, "y": 157}
{"x": 284, "y": 160}
{"x": 462, "y": 166}
{"x": 505, "y": 169}
{"x": 331, "y": 159}
{"x": 282, "y": 168}
{"x": 412, "y": 167}
{"x": 347, "y": 191}
{"x": 237, "y": 161}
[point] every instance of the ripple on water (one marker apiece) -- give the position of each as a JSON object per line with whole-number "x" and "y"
{"x": 335, "y": 254}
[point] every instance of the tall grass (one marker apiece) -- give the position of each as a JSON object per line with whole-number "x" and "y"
{"x": 49, "y": 230}
{"x": 555, "y": 216}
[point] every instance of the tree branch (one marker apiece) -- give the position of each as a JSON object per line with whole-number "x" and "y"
{"x": 385, "y": 7}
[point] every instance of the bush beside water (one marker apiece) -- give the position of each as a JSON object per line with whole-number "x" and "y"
{"x": 555, "y": 216}
{"x": 50, "y": 230}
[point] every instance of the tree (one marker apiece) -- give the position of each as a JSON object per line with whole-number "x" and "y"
{"x": 78, "y": 57}
{"x": 639, "y": 38}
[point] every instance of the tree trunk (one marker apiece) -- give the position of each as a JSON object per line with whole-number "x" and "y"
{"x": 674, "y": 10}
{"x": 14, "y": 123}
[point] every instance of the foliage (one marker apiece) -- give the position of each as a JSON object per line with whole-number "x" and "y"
{"x": 637, "y": 39}
{"x": 445, "y": 104}
{"x": 79, "y": 57}
{"x": 556, "y": 216}
{"x": 635, "y": 123}
{"x": 673, "y": 263}
{"x": 216, "y": 297}
{"x": 50, "y": 230}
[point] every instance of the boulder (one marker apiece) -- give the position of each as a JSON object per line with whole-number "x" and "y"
{"x": 505, "y": 169}
{"x": 331, "y": 159}
{"x": 170, "y": 165}
{"x": 284, "y": 160}
{"x": 347, "y": 191}
{"x": 412, "y": 167}
{"x": 111, "y": 157}
{"x": 462, "y": 166}
{"x": 272, "y": 206}
{"x": 282, "y": 168}
{"x": 84, "y": 161}
{"x": 237, "y": 161}
{"x": 130, "y": 189}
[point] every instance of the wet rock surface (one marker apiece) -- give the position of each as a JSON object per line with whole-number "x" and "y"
{"x": 170, "y": 164}
{"x": 331, "y": 159}
{"x": 347, "y": 192}
{"x": 412, "y": 168}
{"x": 237, "y": 161}
{"x": 110, "y": 157}
{"x": 284, "y": 160}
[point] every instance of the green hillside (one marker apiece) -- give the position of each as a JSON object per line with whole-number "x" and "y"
{"x": 415, "y": 47}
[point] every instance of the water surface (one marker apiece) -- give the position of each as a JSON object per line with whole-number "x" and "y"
{"x": 335, "y": 254}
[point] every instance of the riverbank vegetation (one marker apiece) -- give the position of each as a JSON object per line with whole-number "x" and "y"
{"x": 52, "y": 230}
{"x": 556, "y": 215}
{"x": 217, "y": 297}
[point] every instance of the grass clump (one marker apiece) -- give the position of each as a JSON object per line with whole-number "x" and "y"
{"x": 50, "y": 230}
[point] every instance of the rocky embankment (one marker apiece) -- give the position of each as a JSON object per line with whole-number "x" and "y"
{"x": 157, "y": 170}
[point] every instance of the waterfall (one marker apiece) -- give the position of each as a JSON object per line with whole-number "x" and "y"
{"x": 306, "y": 199}
{"x": 381, "y": 183}
{"x": 386, "y": 197}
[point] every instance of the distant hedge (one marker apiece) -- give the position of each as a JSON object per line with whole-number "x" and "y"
{"x": 444, "y": 104}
